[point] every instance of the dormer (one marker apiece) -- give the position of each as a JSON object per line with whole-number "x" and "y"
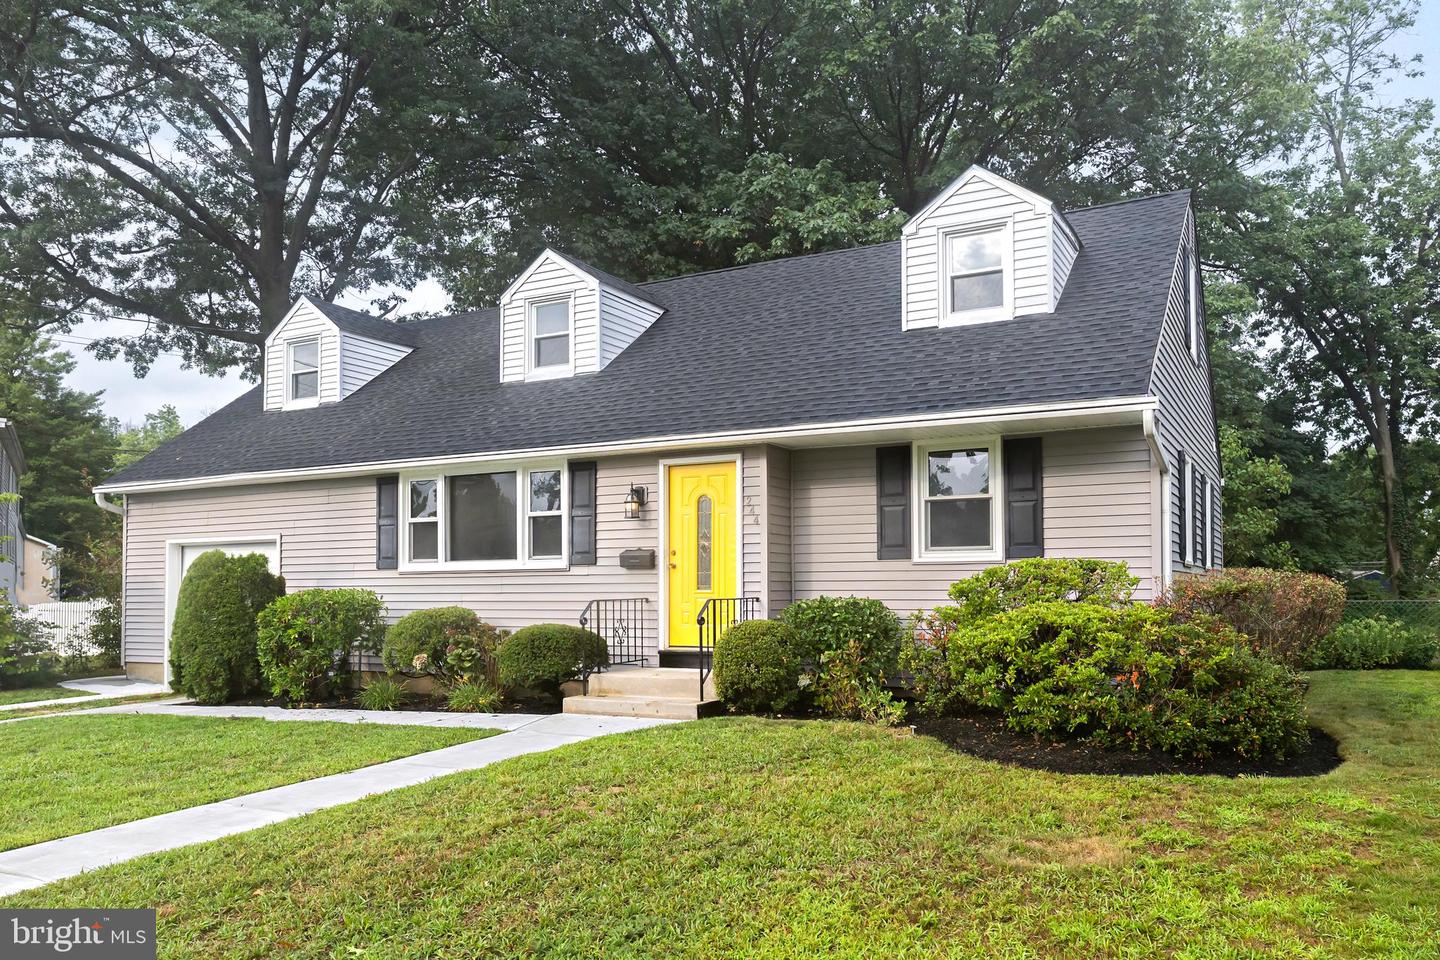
{"x": 984, "y": 250}
{"x": 562, "y": 317}
{"x": 322, "y": 353}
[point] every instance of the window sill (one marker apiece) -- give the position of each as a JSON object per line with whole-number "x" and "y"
{"x": 300, "y": 404}
{"x": 971, "y": 317}
{"x": 549, "y": 373}
{"x": 958, "y": 556}
{"x": 485, "y": 566}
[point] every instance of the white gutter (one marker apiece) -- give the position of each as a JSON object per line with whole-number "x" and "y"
{"x": 106, "y": 505}
{"x": 1147, "y": 423}
{"x": 972, "y": 418}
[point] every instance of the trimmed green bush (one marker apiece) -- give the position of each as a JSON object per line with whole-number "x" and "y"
{"x": 26, "y": 659}
{"x": 1040, "y": 580}
{"x": 1284, "y": 612}
{"x": 1371, "y": 643}
{"x": 306, "y": 640}
{"x": 382, "y": 693}
{"x": 1130, "y": 676}
{"x": 451, "y": 644}
{"x": 825, "y": 624}
{"x": 474, "y": 696}
{"x": 213, "y": 636}
{"x": 757, "y": 668}
{"x": 544, "y": 655}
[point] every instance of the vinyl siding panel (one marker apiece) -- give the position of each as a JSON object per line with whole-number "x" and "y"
{"x": 622, "y": 319}
{"x": 1064, "y": 251}
{"x": 301, "y": 324}
{"x": 1185, "y": 419}
{"x": 11, "y": 534}
{"x": 752, "y": 522}
{"x": 1097, "y": 503}
{"x": 551, "y": 279}
{"x": 363, "y": 359}
{"x": 779, "y": 573}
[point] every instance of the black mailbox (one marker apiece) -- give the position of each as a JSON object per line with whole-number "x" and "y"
{"x": 637, "y": 559}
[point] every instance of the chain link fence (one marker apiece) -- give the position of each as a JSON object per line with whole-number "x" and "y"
{"x": 1417, "y": 614}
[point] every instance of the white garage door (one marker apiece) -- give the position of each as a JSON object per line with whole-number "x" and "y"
{"x": 182, "y": 555}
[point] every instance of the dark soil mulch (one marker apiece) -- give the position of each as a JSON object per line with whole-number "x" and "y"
{"x": 988, "y": 738}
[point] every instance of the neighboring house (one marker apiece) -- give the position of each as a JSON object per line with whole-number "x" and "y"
{"x": 12, "y": 531}
{"x": 39, "y": 572}
{"x": 1007, "y": 380}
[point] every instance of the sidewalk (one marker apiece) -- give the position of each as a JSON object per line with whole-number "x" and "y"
{"x": 98, "y": 688}
{"x": 43, "y": 863}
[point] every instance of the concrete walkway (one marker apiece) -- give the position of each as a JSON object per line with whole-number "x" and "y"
{"x": 96, "y": 688}
{"x": 43, "y": 863}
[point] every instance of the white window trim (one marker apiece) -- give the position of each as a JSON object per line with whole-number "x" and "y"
{"x": 291, "y": 403}
{"x": 1187, "y": 553}
{"x": 1192, "y": 280}
{"x": 567, "y": 369}
{"x": 1209, "y": 531}
{"x": 919, "y": 473}
{"x": 522, "y": 518}
{"x": 1006, "y": 310}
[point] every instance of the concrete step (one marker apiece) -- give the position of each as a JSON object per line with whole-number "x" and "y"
{"x": 669, "y": 708}
{"x": 650, "y": 682}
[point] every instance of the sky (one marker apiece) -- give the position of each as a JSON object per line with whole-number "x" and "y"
{"x": 195, "y": 396}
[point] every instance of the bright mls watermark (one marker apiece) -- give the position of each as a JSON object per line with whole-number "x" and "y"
{"x": 78, "y": 934}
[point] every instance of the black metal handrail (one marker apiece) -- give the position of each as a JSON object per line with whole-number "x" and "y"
{"x": 623, "y": 624}
{"x": 717, "y": 615}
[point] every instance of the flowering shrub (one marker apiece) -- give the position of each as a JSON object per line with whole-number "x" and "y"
{"x": 1283, "y": 613}
{"x": 306, "y": 640}
{"x": 450, "y": 644}
{"x": 1372, "y": 643}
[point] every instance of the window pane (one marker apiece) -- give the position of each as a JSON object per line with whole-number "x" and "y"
{"x": 424, "y": 540}
{"x": 977, "y": 292}
{"x": 305, "y": 356}
{"x": 552, "y": 351}
{"x": 422, "y": 499}
{"x": 545, "y": 536}
{"x": 482, "y": 517}
{"x": 552, "y": 318}
{"x": 702, "y": 541}
{"x": 959, "y": 523}
{"x": 544, "y": 491}
{"x": 303, "y": 386}
{"x": 975, "y": 251}
{"x": 958, "y": 473}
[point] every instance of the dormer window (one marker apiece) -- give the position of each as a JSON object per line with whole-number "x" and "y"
{"x": 550, "y": 337}
{"x": 302, "y": 377}
{"x": 977, "y": 263}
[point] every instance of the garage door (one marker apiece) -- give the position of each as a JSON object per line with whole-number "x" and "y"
{"x": 182, "y": 555}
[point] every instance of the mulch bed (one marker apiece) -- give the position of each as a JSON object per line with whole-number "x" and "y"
{"x": 988, "y": 738}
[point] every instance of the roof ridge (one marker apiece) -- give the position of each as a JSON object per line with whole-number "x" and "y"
{"x": 1116, "y": 203}
{"x": 761, "y": 263}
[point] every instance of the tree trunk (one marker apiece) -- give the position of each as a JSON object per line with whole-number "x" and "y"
{"x": 1390, "y": 499}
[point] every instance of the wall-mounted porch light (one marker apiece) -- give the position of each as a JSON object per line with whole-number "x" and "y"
{"x": 634, "y": 501}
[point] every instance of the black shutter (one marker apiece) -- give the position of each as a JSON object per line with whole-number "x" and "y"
{"x": 1024, "y": 496}
{"x": 892, "y": 503}
{"x": 387, "y": 523}
{"x": 582, "y": 513}
{"x": 1183, "y": 521}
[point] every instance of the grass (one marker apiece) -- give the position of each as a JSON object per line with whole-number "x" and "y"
{"x": 47, "y": 692}
{"x": 742, "y": 837}
{"x": 50, "y": 709}
{"x": 65, "y": 775}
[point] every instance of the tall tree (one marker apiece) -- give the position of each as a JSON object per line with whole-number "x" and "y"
{"x": 196, "y": 165}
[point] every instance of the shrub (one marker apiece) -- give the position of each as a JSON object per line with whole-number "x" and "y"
{"x": 474, "y": 696}
{"x": 757, "y": 667}
{"x": 1373, "y": 642}
{"x": 213, "y": 636}
{"x": 1283, "y": 612}
{"x": 923, "y": 657}
{"x": 826, "y": 624}
{"x": 544, "y": 655}
{"x": 451, "y": 644}
{"x": 103, "y": 635}
{"x": 1131, "y": 676}
{"x": 306, "y": 640}
{"x": 26, "y": 659}
{"x": 382, "y": 693}
{"x": 1038, "y": 580}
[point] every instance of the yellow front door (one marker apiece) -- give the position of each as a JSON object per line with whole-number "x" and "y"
{"x": 702, "y": 546}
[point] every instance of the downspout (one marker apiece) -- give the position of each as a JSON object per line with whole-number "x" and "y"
{"x": 1152, "y": 436}
{"x": 104, "y": 504}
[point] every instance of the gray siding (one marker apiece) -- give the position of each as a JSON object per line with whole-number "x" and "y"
{"x": 779, "y": 572}
{"x": 1186, "y": 416}
{"x": 1064, "y": 250}
{"x": 1098, "y": 503}
{"x": 622, "y": 319}
{"x": 363, "y": 359}
{"x": 11, "y": 534}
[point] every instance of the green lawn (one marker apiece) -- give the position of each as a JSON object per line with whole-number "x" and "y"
{"x": 66, "y": 775}
{"x": 50, "y": 709}
{"x": 48, "y": 692}
{"x": 754, "y": 838}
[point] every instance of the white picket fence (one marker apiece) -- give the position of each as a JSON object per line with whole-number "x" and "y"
{"x": 66, "y": 620}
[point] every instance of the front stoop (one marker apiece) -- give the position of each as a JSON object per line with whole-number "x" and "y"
{"x": 665, "y": 692}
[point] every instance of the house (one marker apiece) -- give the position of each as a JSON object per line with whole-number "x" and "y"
{"x": 1006, "y": 380}
{"x": 39, "y": 572}
{"x": 12, "y": 531}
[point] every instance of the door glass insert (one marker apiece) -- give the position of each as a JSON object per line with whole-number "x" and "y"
{"x": 702, "y": 544}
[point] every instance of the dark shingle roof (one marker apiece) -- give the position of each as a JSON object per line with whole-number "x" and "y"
{"x": 364, "y": 325}
{"x": 609, "y": 279}
{"x": 811, "y": 339}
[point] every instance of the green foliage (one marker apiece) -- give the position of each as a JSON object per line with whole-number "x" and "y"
{"x": 544, "y": 655}
{"x": 1041, "y": 579}
{"x": 451, "y": 644}
{"x": 1283, "y": 613}
{"x": 135, "y": 442}
{"x": 26, "y": 659}
{"x": 923, "y": 655}
{"x": 103, "y": 635}
{"x": 213, "y": 637}
{"x": 474, "y": 696}
{"x": 307, "y": 640}
{"x": 824, "y": 624}
{"x": 758, "y": 666}
{"x": 1128, "y": 676}
{"x": 382, "y": 693}
{"x": 1371, "y": 643}
{"x": 1254, "y": 488}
